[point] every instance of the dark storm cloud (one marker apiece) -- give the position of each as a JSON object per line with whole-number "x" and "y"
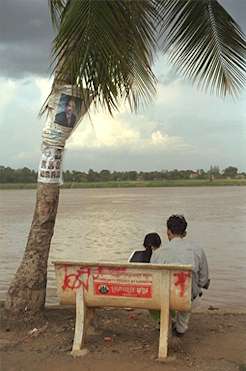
{"x": 237, "y": 9}
{"x": 26, "y": 35}
{"x": 25, "y": 38}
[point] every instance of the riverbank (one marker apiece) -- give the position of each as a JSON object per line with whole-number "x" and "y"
{"x": 125, "y": 340}
{"x": 140, "y": 184}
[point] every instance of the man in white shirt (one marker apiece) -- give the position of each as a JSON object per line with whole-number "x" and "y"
{"x": 182, "y": 252}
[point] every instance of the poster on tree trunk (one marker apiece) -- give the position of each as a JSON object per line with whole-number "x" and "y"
{"x": 68, "y": 111}
{"x": 65, "y": 109}
{"x": 50, "y": 167}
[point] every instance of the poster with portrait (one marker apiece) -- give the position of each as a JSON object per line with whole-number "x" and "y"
{"x": 65, "y": 108}
{"x": 68, "y": 111}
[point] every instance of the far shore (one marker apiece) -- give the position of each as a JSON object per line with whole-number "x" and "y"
{"x": 137, "y": 184}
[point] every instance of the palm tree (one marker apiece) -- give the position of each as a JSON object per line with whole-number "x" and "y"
{"x": 108, "y": 48}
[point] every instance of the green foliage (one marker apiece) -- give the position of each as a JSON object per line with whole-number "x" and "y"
{"x": 230, "y": 171}
{"x": 214, "y": 170}
{"x": 205, "y": 44}
{"x": 108, "y": 46}
{"x": 27, "y": 176}
{"x": 24, "y": 175}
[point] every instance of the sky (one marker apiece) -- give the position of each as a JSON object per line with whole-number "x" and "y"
{"x": 182, "y": 128}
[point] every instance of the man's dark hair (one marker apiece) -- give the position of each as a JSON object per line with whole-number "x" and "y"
{"x": 152, "y": 240}
{"x": 177, "y": 225}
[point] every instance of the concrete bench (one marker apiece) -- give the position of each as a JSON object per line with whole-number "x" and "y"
{"x": 131, "y": 285}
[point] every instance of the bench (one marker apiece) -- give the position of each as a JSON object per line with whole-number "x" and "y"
{"x": 131, "y": 285}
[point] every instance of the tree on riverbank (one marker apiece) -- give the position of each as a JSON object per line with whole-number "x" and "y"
{"x": 27, "y": 176}
{"x": 108, "y": 48}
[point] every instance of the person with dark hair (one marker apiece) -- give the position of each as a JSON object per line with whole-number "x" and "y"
{"x": 181, "y": 251}
{"x": 68, "y": 117}
{"x": 176, "y": 226}
{"x": 152, "y": 241}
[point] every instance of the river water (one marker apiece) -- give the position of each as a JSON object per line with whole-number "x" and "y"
{"x": 107, "y": 224}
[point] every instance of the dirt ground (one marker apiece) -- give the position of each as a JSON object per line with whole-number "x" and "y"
{"x": 125, "y": 341}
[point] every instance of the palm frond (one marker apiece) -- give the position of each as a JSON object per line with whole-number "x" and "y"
{"x": 57, "y": 8}
{"x": 205, "y": 44}
{"x": 107, "y": 46}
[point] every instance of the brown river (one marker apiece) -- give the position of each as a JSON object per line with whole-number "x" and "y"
{"x": 107, "y": 224}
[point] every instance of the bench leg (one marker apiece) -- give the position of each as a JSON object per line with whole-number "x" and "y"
{"x": 164, "y": 317}
{"x": 89, "y": 325}
{"x": 164, "y": 326}
{"x": 80, "y": 325}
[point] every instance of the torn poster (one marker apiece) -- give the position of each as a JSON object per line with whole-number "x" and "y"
{"x": 50, "y": 167}
{"x": 65, "y": 109}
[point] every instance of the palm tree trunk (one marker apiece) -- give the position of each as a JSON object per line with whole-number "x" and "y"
{"x": 27, "y": 292}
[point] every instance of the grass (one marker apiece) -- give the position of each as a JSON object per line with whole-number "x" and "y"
{"x": 135, "y": 184}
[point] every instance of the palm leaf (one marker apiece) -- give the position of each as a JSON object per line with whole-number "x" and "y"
{"x": 107, "y": 46}
{"x": 56, "y": 8}
{"x": 204, "y": 43}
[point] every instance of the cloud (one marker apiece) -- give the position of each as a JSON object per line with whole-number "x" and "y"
{"x": 124, "y": 132}
{"x": 7, "y": 92}
{"x": 168, "y": 78}
{"x": 26, "y": 36}
{"x": 166, "y": 141}
{"x": 20, "y": 128}
{"x": 182, "y": 128}
{"x": 44, "y": 86}
{"x": 237, "y": 10}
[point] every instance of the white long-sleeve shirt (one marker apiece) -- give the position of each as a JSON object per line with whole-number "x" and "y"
{"x": 181, "y": 252}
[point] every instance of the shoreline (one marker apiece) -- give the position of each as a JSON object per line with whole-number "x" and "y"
{"x": 135, "y": 184}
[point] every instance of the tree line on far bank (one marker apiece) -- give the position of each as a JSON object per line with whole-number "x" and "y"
{"x": 26, "y": 175}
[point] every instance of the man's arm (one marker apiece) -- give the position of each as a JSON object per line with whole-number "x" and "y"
{"x": 204, "y": 280}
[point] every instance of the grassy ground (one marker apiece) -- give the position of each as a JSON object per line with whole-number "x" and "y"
{"x": 134, "y": 184}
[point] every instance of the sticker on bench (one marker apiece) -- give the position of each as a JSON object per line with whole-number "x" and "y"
{"x": 125, "y": 285}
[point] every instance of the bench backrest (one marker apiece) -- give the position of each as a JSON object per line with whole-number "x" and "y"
{"x": 124, "y": 285}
